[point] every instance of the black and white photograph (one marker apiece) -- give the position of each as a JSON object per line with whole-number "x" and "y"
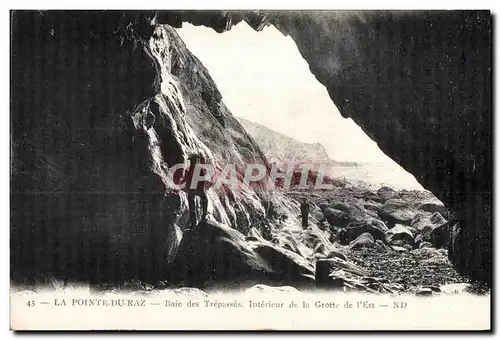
{"x": 251, "y": 169}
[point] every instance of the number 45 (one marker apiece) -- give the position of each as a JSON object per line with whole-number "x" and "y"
{"x": 31, "y": 303}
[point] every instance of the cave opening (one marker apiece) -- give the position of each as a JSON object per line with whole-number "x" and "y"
{"x": 264, "y": 88}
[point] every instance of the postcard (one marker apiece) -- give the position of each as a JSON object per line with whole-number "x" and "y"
{"x": 251, "y": 170}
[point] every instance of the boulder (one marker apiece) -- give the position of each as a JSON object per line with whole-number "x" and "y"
{"x": 261, "y": 288}
{"x": 322, "y": 206}
{"x": 363, "y": 241}
{"x": 397, "y": 211}
{"x": 372, "y": 207}
{"x": 322, "y": 274}
{"x": 386, "y": 193}
{"x": 212, "y": 251}
{"x": 381, "y": 245}
{"x": 424, "y": 291}
{"x": 425, "y": 245}
{"x": 437, "y": 260}
{"x": 336, "y": 218}
{"x": 418, "y": 240}
{"x": 379, "y": 225}
{"x": 376, "y": 228}
{"x": 288, "y": 267}
{"x": 399, "y": 235}
{"x": 413, "y": 230}
{"x": 332, "y": 273}
{"x": 354, "y": 212}
{"x": 313, "y": 236}
{"x": 319, "y": 249}
{"x": 425, "y": 253}
{"x": 425, "y": 223}
{"x": 161, "y": 285}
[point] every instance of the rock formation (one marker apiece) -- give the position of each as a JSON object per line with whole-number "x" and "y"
{"x": 101, "y": 100}
{"x": 283, "y": 149}
{"x": 99, "y": 113}
{"x": 419, "y": 84}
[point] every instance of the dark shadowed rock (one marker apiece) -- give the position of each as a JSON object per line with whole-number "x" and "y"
{"x": 447, "y": 148}
{"x": 211, "y": 252}
{"x": 425, "y": 245}
{"x": 433, "y": 207}
{"x": 355, "y": 212}
{"x": 288, "y": 266}
{"x": 425, "y": 223}
{"x": 399, "y": 235}
{"x": 372, "y": 196}
{"x": 329, "y": 273}
{"x": 336, "y": 218}
{"x": 363, "y": 241}
{"x": 322, "y": 206}
{"x": 440, "y": 236}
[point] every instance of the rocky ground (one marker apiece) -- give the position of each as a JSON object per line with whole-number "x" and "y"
{"x": 409, "y": 269}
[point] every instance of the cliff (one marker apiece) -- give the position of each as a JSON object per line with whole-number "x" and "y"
{"x": 97, "y": 119}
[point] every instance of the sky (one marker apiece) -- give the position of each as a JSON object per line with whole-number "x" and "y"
{"x": 263, "y": 78}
